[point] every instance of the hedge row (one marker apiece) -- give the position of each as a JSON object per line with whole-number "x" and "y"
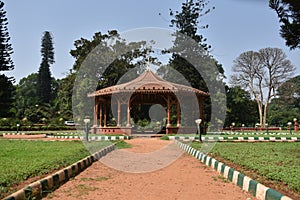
{"x": 36, "y": 128}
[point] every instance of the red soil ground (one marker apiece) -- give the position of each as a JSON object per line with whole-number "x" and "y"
{"x": 185, "y": 178}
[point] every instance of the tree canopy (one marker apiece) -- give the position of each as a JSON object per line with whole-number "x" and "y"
{"x": 286, "y": 106}
{"x": 109, "y": 57}
{"x": 102, "y": 62}
{"x": 288, "y": 12}
{"x": 47, "y": 49}
{"x": 241, "y": 109}
{"x": 190, "y": 55}
{"x": 6, "y": 95}
{"x": 26, "y": 96}
{"x": 187, "y": 20}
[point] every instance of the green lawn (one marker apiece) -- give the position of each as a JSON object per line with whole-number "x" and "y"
{"x": 269, "y": 162}
{"x": 21, "y": 159}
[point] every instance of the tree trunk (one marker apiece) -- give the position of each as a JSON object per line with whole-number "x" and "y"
{"x": 265, "y": 114}
{"x": 260, "y": 110}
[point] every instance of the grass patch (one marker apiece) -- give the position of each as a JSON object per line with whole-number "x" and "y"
{"x": 121, "y": 144}
{"x": 101, "y": 178}
{"x": 84, "y": 189}
{"x": 164, "y": 137}
{"x": 275, "y": 163}
{"x": 239, "y": 134}
{"x": 222, "y": 178}
{"x": 22, "y": 159}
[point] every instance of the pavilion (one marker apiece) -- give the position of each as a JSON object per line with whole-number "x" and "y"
{"x": 146, "y": 89}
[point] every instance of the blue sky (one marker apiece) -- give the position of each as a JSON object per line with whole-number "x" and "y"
{"x": 235, "y": 26}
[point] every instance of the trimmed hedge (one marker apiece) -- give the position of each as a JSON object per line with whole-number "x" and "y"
{"x": 37, "y": 128}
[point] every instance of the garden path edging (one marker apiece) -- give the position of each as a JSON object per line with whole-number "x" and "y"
{"x": 41, "y": 188}
{"x": 237, "y": 138}
{"x": 253, "y": 187}
{"x": 92, "y": 138}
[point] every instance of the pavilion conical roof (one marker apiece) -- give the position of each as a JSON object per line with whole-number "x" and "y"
{"x": 147, "y": 82}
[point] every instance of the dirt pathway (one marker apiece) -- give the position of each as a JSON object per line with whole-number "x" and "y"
{"x": 186, "y": 178}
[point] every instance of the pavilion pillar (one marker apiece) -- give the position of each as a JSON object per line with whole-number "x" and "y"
{"x": 96, "y": 112}
{"x": 202, "y": 114}
{"x": 169, "y": 111}
{"x": 105, "y": 114}
{"x": 178, "y": 114}
{"x": 119, "y": 114}
{"x": 201, "y": 101}
{"x": 128, "y": 114}
{"x": 101, "y": 107}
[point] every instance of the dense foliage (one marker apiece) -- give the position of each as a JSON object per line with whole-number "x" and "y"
{"x": 286, "y": 106}
{"x": 6, "y": 95}
{"x": 241, "y": 109}
{"x": 288, "y": 12}
{"x": 101, "y": 63}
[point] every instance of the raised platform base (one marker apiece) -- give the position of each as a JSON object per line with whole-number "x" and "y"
{"x": 130, "y": 131}
{"x": 181, "y": 130}
{"x": 111, "y": 130}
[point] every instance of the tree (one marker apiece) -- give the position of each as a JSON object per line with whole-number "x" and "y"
{"x": 187, "y": 20}
{"x": 26, "y": 96}
{"x": 193, "y": 61}
{"x": 6, "y": 63}
{"x": 47, "y": 49}
{"x": 261, "y": 73}
{"x": 44, "y": 86}
{"x": 286, "y": 106}
{"x": 241, "y": 109}
{"x": 64, "y": 96}
{"x": 288, "y": 12}
{"x": 6, "y": 95}
{"x": 6, "y": 50}
{"x": 288, "y": 93}
{"x": 102, "y": 62}
{"x": 108, "y": 75}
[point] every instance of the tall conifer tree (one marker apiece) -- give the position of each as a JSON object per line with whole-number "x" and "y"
{"x": 6, "y": 50}
{"x": 6, "y": 64}
{"x": 187, "y": 22}
{"x": 44, "y": 75}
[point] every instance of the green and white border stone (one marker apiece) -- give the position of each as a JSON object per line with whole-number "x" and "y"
{"x": 73, "y": 136}
{"x": 236, "y": 138}
{"x": 91, "y": 138}
{"x": 253, "y": 187}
